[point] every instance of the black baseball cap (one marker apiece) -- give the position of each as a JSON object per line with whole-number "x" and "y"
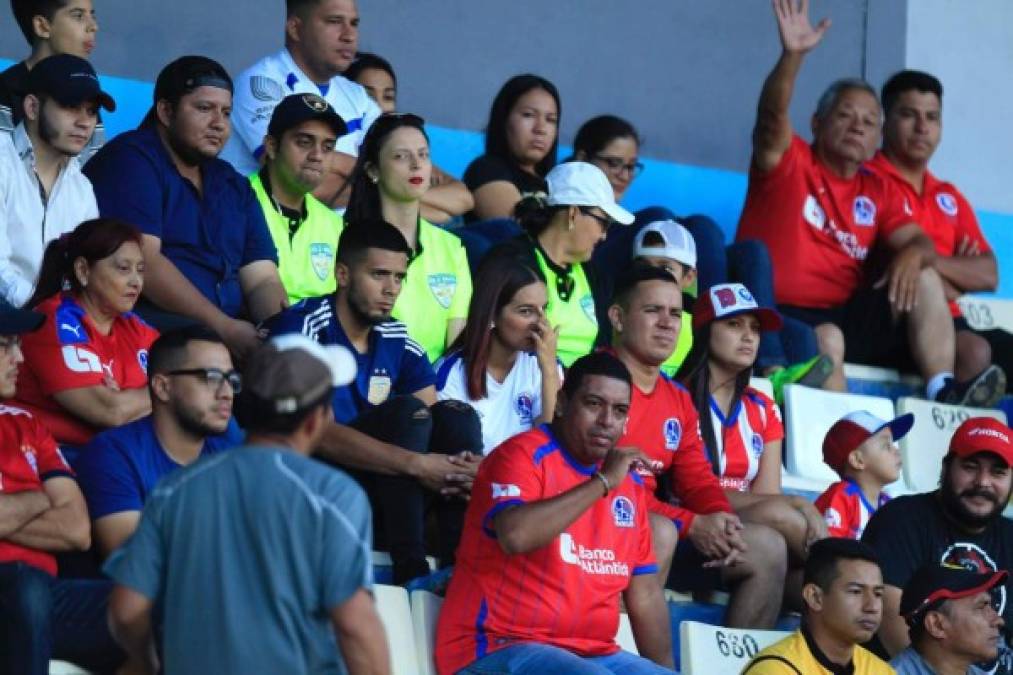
{"x": 183, "y": 76}
{"x": 298, "y": 108}
{"x": 69, "y": 80}
{"x": 933, "y": 584}
{"x": 14, "y": 321}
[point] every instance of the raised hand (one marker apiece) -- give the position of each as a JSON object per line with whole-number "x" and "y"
{"x": 797, "y": 33}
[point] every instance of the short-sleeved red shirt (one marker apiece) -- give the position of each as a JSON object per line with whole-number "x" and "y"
{"x": 665, "y": 426}
{"x": 68, "y": 352}
{"x": 846, "y": 509}
{"x": 818, "y": 227}
{"x": 564, "y": 594}
{"x": 742, "y": 436}
{"x": 28, "y": 456}
{"x": 941, "y": 210}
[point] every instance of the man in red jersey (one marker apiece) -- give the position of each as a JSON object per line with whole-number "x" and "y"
{"x": 556, "y": 529}
{"x": 913, "y": 108}
{"x": 821, "y": 213}
{"x": 716, "y": 550}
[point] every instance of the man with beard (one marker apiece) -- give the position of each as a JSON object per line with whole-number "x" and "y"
{"x": 43, "y": 193}
{"x": 388, "y": 430}
{"x": 209, "y": 255}
{"x": 959, "y": 524}
{"x": 192, "y": 385}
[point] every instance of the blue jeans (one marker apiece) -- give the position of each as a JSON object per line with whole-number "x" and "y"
{"x": 44, "y": 617}
{"x": 536, "y": 658}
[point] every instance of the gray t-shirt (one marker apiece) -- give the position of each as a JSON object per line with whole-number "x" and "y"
{"x": 246, "y": 552}
{"x": 909, "y": 662}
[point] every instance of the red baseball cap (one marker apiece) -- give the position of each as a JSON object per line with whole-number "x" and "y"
{"x": 983, "y": 434}
{"x": 724, "y": 300}
{"x": 855, "y": 428}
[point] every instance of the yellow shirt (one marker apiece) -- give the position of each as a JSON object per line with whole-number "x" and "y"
{"x": 792, "y": 656}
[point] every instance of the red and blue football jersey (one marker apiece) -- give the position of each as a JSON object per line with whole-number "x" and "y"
{"x": 741, "y": 437}
{"x": 564, "y": 594}
{"x": 846, "y": 509}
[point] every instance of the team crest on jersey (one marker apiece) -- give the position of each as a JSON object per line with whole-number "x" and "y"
{"x": 29, "y": 453}
{"x": 443, "y": 286}
{"x": 947, "y": 203}
{"x": 379, "y": 388}
{"x": 587, "y": 304}
{"x": 322, "y": 260}
{"x": 833, "y": 518}
{"x": 525, "y": 406}
{"x": 673, "y": 433}
{"x": 973, "y": 558}
{"x": 142, "y": 359}
{"x": 864, "y": 211}
{"x": 757, "y": 445}
{"x": 813, "y": 213}
{"x": 623, "y": 511}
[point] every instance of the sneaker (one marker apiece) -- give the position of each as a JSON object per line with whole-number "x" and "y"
{"x": 984, "y": 391}
{"x": 811, "y": 373}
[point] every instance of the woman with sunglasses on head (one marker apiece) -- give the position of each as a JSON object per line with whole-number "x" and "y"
{"x": 504, "y": 363}
{"x": 447, "y": 197}
{"x": 390, "y": 178}
{"x": 561, "y": 231}
{"x": 86, "y": 368}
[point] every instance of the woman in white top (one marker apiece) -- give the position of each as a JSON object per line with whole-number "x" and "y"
{"x": 504, "y": 362}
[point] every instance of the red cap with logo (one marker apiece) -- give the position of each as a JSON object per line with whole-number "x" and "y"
{"x": 983, "y": 434}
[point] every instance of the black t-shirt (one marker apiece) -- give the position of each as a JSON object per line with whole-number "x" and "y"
{"x": 13, "y": 83}
{"x": 489, "y": 168}
{"x": 912, "y": 531}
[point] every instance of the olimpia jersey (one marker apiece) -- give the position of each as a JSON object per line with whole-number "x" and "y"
{"x": 846, "y": 509}
{"x": 742, "y": 435}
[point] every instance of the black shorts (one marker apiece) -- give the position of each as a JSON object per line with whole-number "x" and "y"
{"x": 871, "y": 335}
{"x": 688, "y": 575}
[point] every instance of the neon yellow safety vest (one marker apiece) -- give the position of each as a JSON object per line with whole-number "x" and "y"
{"x": 682, "y": 347}
{"x": 437, "y": 290}
{"x": 305, "y": 260}
{"x": 576, "y": 318}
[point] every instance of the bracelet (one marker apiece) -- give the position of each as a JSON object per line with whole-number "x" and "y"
{"x": 604, "y": 481}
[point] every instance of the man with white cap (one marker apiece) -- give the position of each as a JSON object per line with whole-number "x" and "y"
{"x": 959, "y": 524}
{"x": 268, "y": 548}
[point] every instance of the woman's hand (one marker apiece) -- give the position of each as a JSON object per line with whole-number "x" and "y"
{"x": 546, "y": 338}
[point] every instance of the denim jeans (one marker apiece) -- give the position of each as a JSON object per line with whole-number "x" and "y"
{"x": 44, "y": 617}
{"x": 536, "y": 658}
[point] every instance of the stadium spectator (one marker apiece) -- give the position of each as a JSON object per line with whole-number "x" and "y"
{"x": 270, "y": 549}
{"x": 299, "y": 138}
{"x": 861, "y": 449}
{"x": 86, "y": 370}
{"x": 321, "y": 38}
{"x": 820, "y": 214}
{"x": 391, "y": 177}
{"x": 951, "y": 619}
{"x": 42, "y": 513}
{"x": 843, "y": 596}
{"x": 913, "y": 108}
{"x": 406, "y": 449}
{"x": 446, "y": 197}
{"x": 556, "y": 530}
{"x": 521, "y": 140}
{"x": 208, "y": 249}
{"x": 504, "y": 363}
{"x": 959, "y": 524}
{"x": 43, "y": 193}
{"x": 714, "y": 548}
{"x": 561, "y": 231}
{"x": 50, "y": 27}
{"x": 192, "y": 385}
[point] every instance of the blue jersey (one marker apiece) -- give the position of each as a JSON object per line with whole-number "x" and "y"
{"x": 394, "y": 364}
{"x": 120, "y": 467}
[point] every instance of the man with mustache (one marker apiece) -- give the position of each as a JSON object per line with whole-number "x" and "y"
{"x": 959, "y": 524}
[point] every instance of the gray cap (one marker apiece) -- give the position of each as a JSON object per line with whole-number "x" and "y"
{"x": 291, "y": 372}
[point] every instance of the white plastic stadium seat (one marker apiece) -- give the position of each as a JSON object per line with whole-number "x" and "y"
{"x": 928, "y": 441}
{"x": 763, "y": 385}
{"x": 425, "y": 611}
{"x": 624, "y": 638}
{"x": 987, "y": 313}
{"x": 705, "y": 649}
{"x": 392, "y": 604}
{"x": 809, "y": 414}
{"x": 64, "y": 668}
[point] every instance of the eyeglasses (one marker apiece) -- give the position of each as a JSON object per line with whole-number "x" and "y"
{"x": 616, "y": 165}
{"x": 604, "y": 221}
{"x": 214, "y": 378}
{"x": 9, "y": 344}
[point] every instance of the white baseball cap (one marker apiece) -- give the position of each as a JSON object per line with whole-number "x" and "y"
{"x": 678, "y": 242}
{"x": 583, "y": 184}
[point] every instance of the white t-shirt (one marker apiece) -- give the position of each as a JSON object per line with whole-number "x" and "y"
{"x": 262, "y": 86}
{"x": 509, "y": 408}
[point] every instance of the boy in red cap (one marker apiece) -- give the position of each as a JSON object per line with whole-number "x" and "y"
{"x": 860, "y": 448}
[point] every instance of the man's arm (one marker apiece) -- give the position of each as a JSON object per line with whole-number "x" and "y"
{"x": 262, "y": 288}
{"x": 335, "y": 188}
{"x": 63, "y": 526}
{"x": 111, "y": 531}
{"x": 968, "y": 273}
{"x": 18, "y": 508}
{"x": 649, "y": 619}
{"x": 772, "y": 133}
{"x": 448, "y": 196}
{"x": 361, "y": 636}
{"x": 893, "y": 631}
{"x": 105, "y": 407}
{"x": 130, "y": 624}
{"x": 913, "y": 251}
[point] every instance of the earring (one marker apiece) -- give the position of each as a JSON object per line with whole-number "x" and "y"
{"x": 375, "y": 179}
{"x": 492, "y": 325}
{"x": 570, "y": 226}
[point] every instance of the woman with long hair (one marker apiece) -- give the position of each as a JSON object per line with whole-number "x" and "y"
{"x": 390, "y": 178}
{"x": 504, "y": 363}
{"x": 86, "y": 368}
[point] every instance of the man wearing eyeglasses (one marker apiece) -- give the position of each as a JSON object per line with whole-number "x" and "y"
{"x": 192, "y": 385}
